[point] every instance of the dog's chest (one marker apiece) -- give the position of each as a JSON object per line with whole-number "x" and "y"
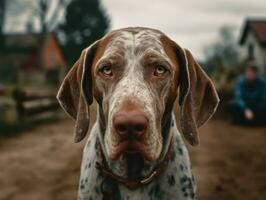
{"x": 176, "y": 182}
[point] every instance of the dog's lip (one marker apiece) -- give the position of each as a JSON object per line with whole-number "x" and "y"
{"x": 135, "y": 146}
{"x": 130, "y": 146}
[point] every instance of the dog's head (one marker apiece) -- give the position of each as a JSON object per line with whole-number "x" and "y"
{"x": 136, "y": 74}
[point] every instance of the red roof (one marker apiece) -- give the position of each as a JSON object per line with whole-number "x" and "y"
{"x": 258, "y": 27}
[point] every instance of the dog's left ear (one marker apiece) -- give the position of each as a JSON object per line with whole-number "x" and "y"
{"x": 75, "y": 92}
{"x": 198, "y": 98}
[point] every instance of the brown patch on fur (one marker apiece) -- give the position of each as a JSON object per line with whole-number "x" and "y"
{"x": 99, "y": 53}
{"x": 200, "y": 102}
{"x": 198, "y": 98}
{"x": 72, "y": 95}
{"x": 169, "y": 47}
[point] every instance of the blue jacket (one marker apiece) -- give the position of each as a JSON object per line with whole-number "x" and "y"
{"x": 250, "y": 96}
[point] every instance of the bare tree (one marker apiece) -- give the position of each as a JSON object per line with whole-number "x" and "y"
{"x": 44, "y": 7}
{"x": 2, "y": 15}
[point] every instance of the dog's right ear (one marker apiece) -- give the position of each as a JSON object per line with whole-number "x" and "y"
{"x": 198, "y": 98}
{"x": 75, "y": 92}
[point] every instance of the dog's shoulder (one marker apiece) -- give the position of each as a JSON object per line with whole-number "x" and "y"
{"x": 90, "y": 178}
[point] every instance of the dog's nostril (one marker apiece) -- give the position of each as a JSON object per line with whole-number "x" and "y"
{"x": 121, "y": 127}
{"x": 139, "y": 127}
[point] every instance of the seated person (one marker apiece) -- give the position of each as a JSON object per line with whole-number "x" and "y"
{"x": 250, "y": 98}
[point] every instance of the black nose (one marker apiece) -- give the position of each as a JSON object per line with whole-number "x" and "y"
{"x": 130, "y": 125}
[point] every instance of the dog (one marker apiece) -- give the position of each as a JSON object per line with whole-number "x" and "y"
{"x": 135, "y": 150}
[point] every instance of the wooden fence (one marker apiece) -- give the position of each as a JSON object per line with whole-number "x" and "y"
{"x": 33, "y": 103}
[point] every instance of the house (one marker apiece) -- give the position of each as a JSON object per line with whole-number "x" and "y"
{"x": 253, "y": 42}
{"x": 31, "y": 58}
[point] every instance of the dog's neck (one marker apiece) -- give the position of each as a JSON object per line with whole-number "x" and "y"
{"x": 133, "y": 166}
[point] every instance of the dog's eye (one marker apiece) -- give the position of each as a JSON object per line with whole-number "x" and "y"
{"x": 106, "y": 70}
{"x": 159, "y": 70}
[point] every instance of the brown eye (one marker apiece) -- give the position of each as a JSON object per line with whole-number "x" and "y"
{"x": 159, "y": 70}
{"x": 107, "y": 71}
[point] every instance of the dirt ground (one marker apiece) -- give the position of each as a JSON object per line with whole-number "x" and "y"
{"x": 44, "y": 163}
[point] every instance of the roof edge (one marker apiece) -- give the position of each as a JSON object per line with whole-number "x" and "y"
{"x": 246, "y": 26}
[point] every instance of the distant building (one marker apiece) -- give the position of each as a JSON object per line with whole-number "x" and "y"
{"x": 253, "y": 41}
{"x": 31, "y": 58}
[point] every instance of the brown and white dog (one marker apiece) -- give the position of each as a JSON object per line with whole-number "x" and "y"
{"x": 134, "y": 150}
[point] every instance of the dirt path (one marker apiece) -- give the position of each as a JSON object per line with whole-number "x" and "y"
{"x": 44, "y": 164}
{"x": 40, "y": 165}
{"x": 230, "y": 162}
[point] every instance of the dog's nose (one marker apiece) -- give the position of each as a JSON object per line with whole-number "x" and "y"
{"x": 130, "y": 125}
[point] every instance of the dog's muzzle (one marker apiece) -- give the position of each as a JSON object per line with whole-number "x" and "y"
{"x": 130, "y": 127}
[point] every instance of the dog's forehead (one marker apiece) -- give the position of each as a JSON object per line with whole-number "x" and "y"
{"x": 135, "y": 41}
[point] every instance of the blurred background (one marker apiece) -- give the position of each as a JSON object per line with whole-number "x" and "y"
{"x": 41, "y": 39}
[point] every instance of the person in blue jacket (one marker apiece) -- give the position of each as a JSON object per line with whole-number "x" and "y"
{"x": 250, "y": 98}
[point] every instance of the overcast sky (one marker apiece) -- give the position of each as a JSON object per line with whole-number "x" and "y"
{"x": 193, "y": 24}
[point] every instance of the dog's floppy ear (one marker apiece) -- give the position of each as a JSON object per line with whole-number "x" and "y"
{"x": 75, "y": 92}
{"x": 198, "y": 98}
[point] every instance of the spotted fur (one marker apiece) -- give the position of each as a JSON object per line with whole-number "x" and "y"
{"x": 130, "y": 49}
{"x": 133, "y": 54}
{"x": 176, "y": 183}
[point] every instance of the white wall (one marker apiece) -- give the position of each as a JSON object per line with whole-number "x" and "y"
{"x": 259, "y": 51}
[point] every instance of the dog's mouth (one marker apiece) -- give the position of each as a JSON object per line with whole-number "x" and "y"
{"x": 131, "y": 147}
